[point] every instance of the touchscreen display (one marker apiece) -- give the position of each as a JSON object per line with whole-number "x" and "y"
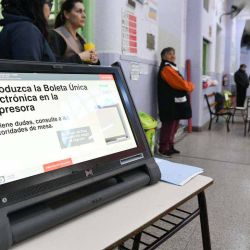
{"x": 51, "y": 121}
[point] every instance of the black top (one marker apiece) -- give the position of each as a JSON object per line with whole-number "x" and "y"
{"x": 20, "y": 39}
{"x": 241, "y": 79}
{"x": 173, "y": 104}
{"x": 59, "y": 46}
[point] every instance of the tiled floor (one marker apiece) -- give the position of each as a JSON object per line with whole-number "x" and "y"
{"x": 226, "y": 158}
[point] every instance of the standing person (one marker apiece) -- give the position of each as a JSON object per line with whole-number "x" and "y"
{"x": 66, "y": 43}
{"x": 242, "y": 83}
{"x": 173, "y": 100}
{"x": 24, "y": 34}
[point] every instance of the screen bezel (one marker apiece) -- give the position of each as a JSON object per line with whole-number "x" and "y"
{"x": 98, "y": 165}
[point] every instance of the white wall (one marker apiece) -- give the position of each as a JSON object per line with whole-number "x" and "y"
{"x": 240, "y": 26}
{"x": 194, "y": 53}
{"x": 182, "y": 24}
{"x": 220, "y": 38}
{"x": 108, "y": 23}
{"x": 214, "y": 32}
{"x": 108, "y": 39}
{"x": 172, "y": 28}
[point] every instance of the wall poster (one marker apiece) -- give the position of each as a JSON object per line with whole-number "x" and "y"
{"x": 129, "y": 33}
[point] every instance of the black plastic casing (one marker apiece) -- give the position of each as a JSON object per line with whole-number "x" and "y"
{"x": 34, "y": 204}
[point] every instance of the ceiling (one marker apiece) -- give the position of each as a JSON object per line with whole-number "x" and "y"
{"x": 244, "y": 14}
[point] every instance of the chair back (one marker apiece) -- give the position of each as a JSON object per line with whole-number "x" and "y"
{"x": 210, "y": 104}
{"x": 248, "y": 109}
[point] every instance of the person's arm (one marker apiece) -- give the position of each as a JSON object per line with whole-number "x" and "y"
{"x": 172, "y": 77}
{"x": 27, "y": 43}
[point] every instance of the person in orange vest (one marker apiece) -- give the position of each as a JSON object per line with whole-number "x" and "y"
{"x": 173, "y": 101}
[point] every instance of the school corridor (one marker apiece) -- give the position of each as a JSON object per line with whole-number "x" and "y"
{"x": 224, "y": 157}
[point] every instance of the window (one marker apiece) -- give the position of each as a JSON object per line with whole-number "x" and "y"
{"x": 206, "y": 4}
{"x": 205, "y": 57}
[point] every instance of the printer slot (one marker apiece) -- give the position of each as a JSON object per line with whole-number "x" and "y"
{"x": 44, "y": 215}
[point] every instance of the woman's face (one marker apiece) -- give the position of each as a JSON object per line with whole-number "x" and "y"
{"x": 47, "y": 9}
{"x": 170, "y": 56}
{"x": 77, "y": 16}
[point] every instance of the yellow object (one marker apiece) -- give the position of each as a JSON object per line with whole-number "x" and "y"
{"x": 149, "y": 124}
{"x": 150, "y": 135}
{"x": 147, "y": 121}
{"x": 89, "y": 46}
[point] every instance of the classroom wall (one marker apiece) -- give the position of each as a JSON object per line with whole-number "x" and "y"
{"x": 169, "y": 29}
{"x": 194, "y": 53}
{"x": 214, "y": 31}
{"x": 181, "y": 24}
{"x": 172, "y": 28}
{"x": 172, "y": 31}
{"x": 184, "y": 26}
{"x": 234, "y": 55}
{"x": 240, "y": 26}
{"x": 108, "y": 39}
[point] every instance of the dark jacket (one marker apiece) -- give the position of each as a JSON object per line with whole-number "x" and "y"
{"x": 241, "y": 79}
{"x": 20, "y": 39}
{"x": 173, "y": 104}
{"x": 59, "y": 46}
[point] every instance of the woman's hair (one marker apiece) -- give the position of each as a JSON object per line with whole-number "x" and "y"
{"x": 29, "y": 8}
{"x": 67, "y": 6}
{"x": 166, "y": 50}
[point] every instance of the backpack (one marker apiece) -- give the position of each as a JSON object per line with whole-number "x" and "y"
{"x": 219, "y": 100}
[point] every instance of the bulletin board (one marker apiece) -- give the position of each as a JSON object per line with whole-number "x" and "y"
{"x": 140, "y": 29}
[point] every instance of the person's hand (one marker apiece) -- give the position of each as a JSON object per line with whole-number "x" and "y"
{"x": 85, "y": 56}
{"x": 93, "y": 56}
{"x": 191, "y": 87}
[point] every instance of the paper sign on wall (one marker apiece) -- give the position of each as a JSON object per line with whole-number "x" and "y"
{"x": 135, "y": 71}
{"x": 129, "y": 33}
{"x": 150, "y": 41}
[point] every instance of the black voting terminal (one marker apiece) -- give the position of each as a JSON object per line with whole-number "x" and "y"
{"x": 48, "y": 123}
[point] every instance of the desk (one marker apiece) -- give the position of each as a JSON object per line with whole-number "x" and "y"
{"x": 112, "y": 224}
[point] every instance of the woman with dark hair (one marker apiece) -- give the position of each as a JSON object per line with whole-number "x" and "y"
{"x": 66, "y": 43}
{"x": 24, "y": 34}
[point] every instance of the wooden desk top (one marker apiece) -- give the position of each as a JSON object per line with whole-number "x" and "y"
{"x": 112, "y": 222}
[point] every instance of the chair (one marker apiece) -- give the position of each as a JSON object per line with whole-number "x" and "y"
{"x": 236, "y": 109}
{"x": 225, "y": 113}
{"x": 247, "y": 117}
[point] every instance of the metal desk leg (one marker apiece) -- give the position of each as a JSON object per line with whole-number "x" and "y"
{"x": 204, "y": 221}
{"x": 137, "y": 240}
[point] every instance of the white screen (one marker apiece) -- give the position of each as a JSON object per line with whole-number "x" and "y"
{"x": 51, "y": 121}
